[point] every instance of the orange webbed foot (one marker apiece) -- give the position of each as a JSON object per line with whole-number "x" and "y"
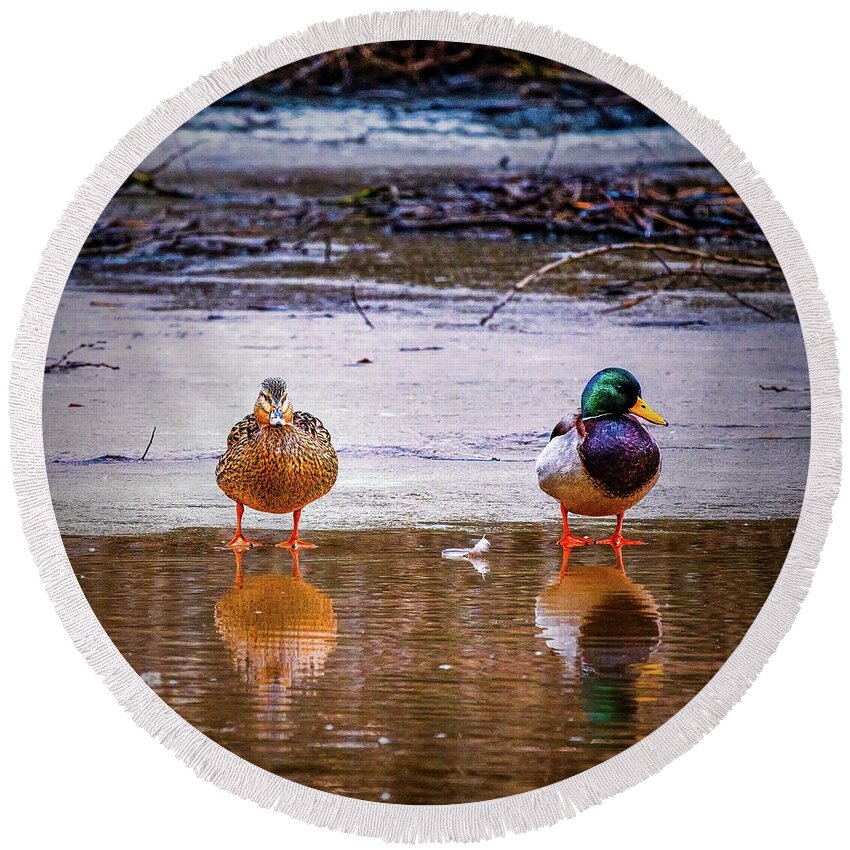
{"x": 569, "y": 540}
{"x": 295, "y": 544}
{"x": 618, "y": 541}
{"x": 239, "y": 543}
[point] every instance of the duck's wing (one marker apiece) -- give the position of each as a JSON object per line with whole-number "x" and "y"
{"x": 245, "y": 429}
{"x": 567, "y": 424}
{"x": 311, "y": 425}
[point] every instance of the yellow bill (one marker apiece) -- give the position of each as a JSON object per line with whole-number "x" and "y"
{"x": 642, "y": 409}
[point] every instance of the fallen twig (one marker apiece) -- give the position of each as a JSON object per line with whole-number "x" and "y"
{"x": 181, "y": 151}
{"x": 146, "y": 178}
{"x": 360, "y": 310}
{"x": 734, "y": 295}
{"x": 518, "y": 287}
{"x": 550, "y": 154}
{"x": 629, "y": 303}
{"x": 150, "y": 443}
{"x": 64, "y": 363}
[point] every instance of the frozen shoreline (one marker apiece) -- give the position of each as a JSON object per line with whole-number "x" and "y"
{"x": 443, "y": 423}
{"x": 337, "y": 142}
{"x": 444, "y": 432}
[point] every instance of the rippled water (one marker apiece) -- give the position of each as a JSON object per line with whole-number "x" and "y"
{"x": 371, "y": 667}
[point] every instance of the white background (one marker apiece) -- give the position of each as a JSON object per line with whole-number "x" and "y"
{"x": 77, "y": 77}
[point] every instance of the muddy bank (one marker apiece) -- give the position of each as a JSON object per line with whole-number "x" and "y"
{"x": 223, "y": 217}
{"x": 515, "y": 90}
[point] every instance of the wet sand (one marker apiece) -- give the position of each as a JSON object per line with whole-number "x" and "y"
{"x": 386, "y": 673}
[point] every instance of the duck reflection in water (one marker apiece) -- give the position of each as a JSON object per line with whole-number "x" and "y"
{"x": 607, "y": 629}
{"x": 278, "y": 629}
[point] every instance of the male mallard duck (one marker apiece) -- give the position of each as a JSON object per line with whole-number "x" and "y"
{"x": 277, "y": 460}
{"x": 602, "y": 461}
{"x": 597, "y": 618}
{"x": 607, "y": 631}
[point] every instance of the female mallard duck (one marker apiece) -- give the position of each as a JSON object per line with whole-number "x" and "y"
{"x": 277, "y": 460}
{"x": 277, "y": 629}
{"x": 602, "y": 461}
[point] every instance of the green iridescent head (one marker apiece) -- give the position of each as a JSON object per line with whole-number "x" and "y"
{"x": 613, "y": 392}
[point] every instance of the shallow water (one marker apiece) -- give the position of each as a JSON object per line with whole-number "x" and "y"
{"x": 386, "y": 673}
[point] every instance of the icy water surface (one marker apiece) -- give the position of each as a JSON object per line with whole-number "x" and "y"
{"x": 372, "y": 668}
{"x": 311, "y": 134}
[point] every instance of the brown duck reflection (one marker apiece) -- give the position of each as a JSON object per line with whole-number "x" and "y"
{"x": 279, "y": 630}
{"x": 607, "y": 628}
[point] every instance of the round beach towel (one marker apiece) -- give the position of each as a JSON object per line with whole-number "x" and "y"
{"x": 428, "y": 444}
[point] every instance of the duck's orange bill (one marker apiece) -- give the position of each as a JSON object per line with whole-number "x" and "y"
{"x": 642, "y": 409}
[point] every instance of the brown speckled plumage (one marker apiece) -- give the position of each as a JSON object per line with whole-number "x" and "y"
{"x": 277, "y": 469}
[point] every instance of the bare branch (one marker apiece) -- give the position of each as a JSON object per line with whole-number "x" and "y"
{"x": 360, "y": 310}
{"x": 150, "y": 443}
{"x": 147, "y": 178}
{"x": 181, "y": 151}
{"x": 735, "y": 297}
{"x": 550, "y": 154}
{"x": 677, "y": 250}
{"x": 65, "y": 364}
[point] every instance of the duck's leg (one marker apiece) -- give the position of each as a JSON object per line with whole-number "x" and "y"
{"x": 568, "y": 538}
{"x": 295, "y": 541}
{"x": 239, "y": 580}
{"x": 565, "y": 562}
{"x": 239, "y": 541}
{"x": 616, "y": 539}
{"x": 296, "y": 569}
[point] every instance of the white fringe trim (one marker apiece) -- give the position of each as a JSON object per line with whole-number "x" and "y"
{"x": 470, "y": 821}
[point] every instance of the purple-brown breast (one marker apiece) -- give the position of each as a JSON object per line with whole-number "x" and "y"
{"x": 619, "y": 454}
